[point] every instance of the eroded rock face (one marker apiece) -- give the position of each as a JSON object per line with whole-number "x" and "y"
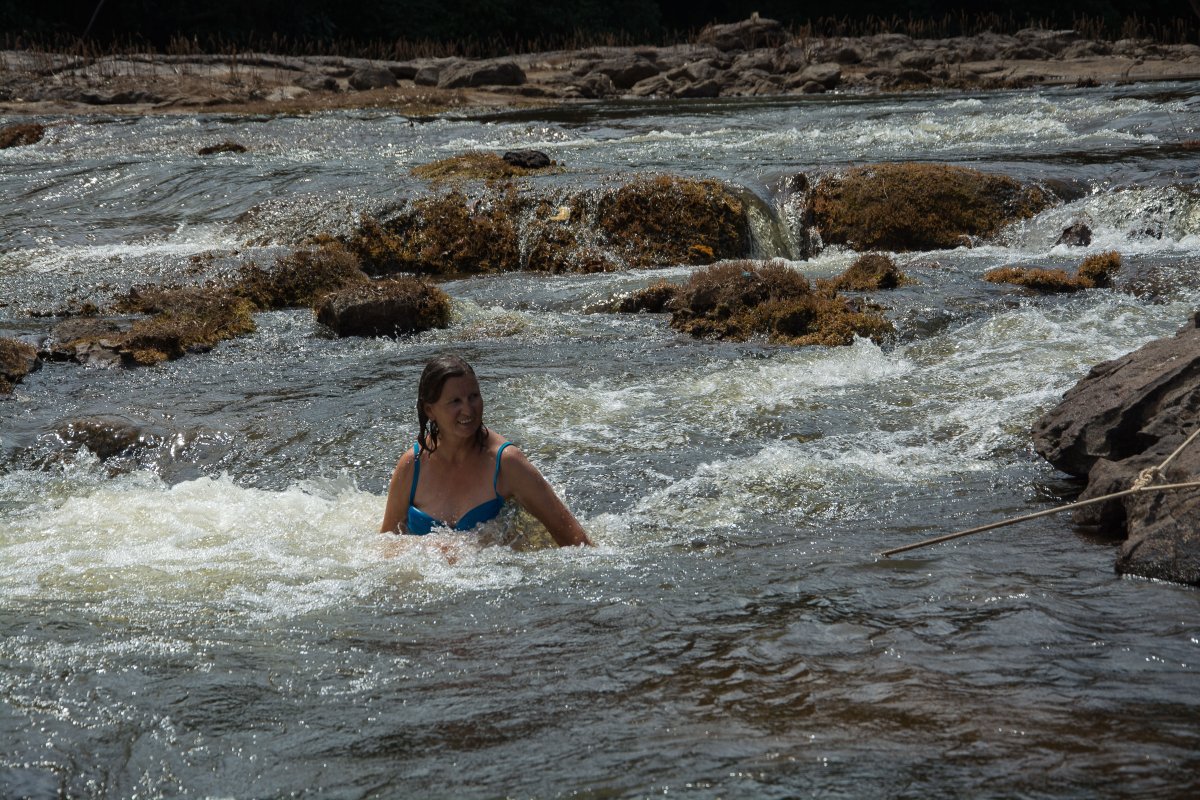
{"x": 1124, "y": 416}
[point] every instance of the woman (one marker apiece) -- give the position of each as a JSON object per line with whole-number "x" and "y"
{"x": 459, "y": 474}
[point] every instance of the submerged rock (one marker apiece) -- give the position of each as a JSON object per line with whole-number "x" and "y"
{"x": 223, "y": 147}
{"x": 527, "y": 159}
{"x": 87, "y": 340}
{"x": 21, "y": 134}
{"x": 1124, "y": 416}
{"x": 105, "y": 436}
{"x": 484, "y": 166}
{"x": 1077, "y": 234}
{"x": 385, "y": 308}
{"x": 903, "y": 207}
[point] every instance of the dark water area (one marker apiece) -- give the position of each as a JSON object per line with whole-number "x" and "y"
{"x": 210, "y": 612}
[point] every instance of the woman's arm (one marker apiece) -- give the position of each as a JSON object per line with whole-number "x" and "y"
{"x": 396, "y": 511}
{"x": 522, "y": 481}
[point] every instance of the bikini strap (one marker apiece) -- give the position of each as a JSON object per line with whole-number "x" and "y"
{"x": 416, "y": 471}
{"x": 496, "y": 477}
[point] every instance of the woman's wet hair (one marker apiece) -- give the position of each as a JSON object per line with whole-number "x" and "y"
{"x": 429, "y": 390}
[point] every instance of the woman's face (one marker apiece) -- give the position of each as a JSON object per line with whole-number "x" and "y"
{"x": 459, "y": 411}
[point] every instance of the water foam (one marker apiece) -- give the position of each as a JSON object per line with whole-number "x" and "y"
{"x": 136, "y": 541}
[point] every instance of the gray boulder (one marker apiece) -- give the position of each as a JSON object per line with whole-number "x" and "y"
{"x": 1077, "y": 234}
{"x": 745, "y": 35}
{"x": 481, "y": 73}
{"x": 1124, "y": 416}
{"x": 658, "y": 85}
{"x": 594, "y": 86}
{"x": 626, "y": 71}
{"x": 828, "y": 75}
{"x": 372, "y": 78}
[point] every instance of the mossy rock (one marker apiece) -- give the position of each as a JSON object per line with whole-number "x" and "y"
{"x": 193, "y": 320}
{"x": 385, "y": 308}
{"x": 740, "y": 299}
{"x": 557, "y": 240}
{"x": 1096, "y": 272}
{"x": 1099, "y": 270}
{"x": 300, "y": 278}
{"x": 475, "y": 166}
{"x": 445, "y": 234}
{"x": 904, "y": 207}
{"x": 671, "y": 220}
{"x": 21, "y": 134}
{"x": 869, "y": 273}
{"x": 17, "y": 359}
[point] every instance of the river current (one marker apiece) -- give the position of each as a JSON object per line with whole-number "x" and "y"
{"x": 211, "y": 613}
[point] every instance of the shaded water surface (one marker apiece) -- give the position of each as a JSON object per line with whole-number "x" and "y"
{"x": 210, "y": 613}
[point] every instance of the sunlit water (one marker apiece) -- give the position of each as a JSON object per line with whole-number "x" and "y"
{"x": 210, "y": 613}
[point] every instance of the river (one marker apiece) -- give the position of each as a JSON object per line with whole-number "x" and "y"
{"x": 211, "y": 613}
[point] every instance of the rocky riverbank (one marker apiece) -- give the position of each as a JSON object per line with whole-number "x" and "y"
{"x": 755, "y": 57}
{"x": 1128, "y": 415}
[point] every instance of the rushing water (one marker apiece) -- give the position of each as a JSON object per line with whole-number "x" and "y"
{"x": 210, "y": 613}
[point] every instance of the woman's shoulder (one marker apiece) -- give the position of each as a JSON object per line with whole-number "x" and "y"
{"x": 407, "y": 458}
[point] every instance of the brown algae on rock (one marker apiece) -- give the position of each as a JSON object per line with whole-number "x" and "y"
{"x": 738, "y": 300}
{"x": 904, "y": 207}
{"x": 1096, "y": 272}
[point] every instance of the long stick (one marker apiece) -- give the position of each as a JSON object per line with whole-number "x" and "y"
{"x": 947, "y": 537}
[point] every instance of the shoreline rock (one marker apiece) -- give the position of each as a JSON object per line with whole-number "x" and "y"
{"x": 753, "y": 57}
{"x": 1124, "y": 416}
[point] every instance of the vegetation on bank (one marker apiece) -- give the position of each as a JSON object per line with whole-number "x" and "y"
{"x": 401, "y": 29}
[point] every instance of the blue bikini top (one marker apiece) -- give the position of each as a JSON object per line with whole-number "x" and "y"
{"x": 419, "y": 523}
